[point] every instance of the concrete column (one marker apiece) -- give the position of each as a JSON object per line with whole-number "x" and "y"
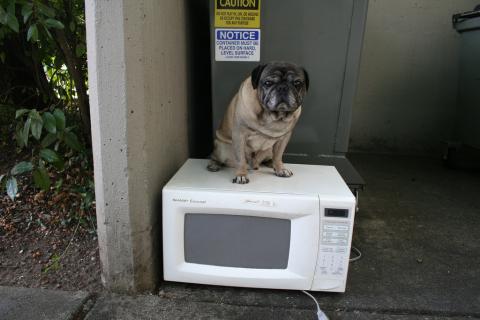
{"x": 137, "y": 77}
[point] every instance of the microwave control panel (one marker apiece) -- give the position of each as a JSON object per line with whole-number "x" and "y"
{"x": 333, "y": 256}
{"x": 334, "y": 251}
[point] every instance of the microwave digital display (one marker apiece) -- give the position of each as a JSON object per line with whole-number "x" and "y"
{"x": 336, "y": 213}
{"x": 237, "y": 241}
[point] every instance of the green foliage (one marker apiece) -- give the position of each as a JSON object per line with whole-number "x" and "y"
{"x": 59, "y": 119}
{"x": 54, "y": 263}
{"x": 53, "y": 144}
{"x": 12, "y": 187}
{"x": 49, "y": 155}
{"x": 42, "y": 49}
{"x": 21, "y": 167}
{"x": 87, "y": 193}
{"x": 34, "y": 14}
{"x": 36, "y": 22}
{"x": 7, "y": 15}
{"x": 45, "y": 123}
{"x": 41, "y": 178}
{"x": 49, "y": 122}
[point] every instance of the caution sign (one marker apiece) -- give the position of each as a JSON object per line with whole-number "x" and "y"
{"x": 237, "y": 14}
{"x": 237, "y": 44}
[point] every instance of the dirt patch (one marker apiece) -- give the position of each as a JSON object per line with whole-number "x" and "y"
{"x": 29, "y": 259}
{"x": 46, "y": 239}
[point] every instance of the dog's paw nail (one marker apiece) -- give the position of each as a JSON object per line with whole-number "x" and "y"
{"x": 240, "y": 180}
{"x": 285, "y": 173}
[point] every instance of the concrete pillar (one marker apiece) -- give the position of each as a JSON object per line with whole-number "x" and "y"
{"x": 138, "y": 83}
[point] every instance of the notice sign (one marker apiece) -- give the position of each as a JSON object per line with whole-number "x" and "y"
{"x": 237, "y": 44}
{"x": 237, "y": 13}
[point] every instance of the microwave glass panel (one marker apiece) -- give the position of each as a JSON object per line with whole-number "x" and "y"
{"x": 237, "y": 241}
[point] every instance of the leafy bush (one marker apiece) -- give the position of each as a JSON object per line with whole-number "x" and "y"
{"x": 53, "y": 145}
{"x": 43, "y": 75}
{"x": 43, "y": 56}
{"x": 43, "y": 69}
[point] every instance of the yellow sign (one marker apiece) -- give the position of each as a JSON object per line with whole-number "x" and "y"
{"x": 237, "y": 13}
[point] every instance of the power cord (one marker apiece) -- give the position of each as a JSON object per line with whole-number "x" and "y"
{"x": 357, "y": 252}
{"x": 320, "y": 314}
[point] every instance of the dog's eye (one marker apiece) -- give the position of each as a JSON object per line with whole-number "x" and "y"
{"x": 298, "y": 83}
{"x": 267, "y": 83}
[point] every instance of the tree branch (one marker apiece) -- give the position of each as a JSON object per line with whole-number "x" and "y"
{"x": 75, "y": 70}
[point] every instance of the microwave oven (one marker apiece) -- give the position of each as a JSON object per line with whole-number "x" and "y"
{"x": 279, "y": 233}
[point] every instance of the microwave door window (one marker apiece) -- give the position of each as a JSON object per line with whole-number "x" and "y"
{"x": 237, "y": 241}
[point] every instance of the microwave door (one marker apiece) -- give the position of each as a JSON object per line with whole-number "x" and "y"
{"x": 246, "y": 240}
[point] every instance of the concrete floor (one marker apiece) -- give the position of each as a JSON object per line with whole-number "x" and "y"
{"x": 418, "y": 229}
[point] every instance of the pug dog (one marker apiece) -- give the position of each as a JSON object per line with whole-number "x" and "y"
{"x": 259, "y": 120}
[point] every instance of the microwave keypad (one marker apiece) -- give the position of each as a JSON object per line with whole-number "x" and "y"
{"x": 333, "y": 249}
{"x": 331, "y": 264}
{"x": 335, "y": 234}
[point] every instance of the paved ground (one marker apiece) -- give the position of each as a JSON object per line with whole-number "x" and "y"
{"x": 40, "y": 304}
{"x": 418, "y": 231}
{"x": 26, "y": 303}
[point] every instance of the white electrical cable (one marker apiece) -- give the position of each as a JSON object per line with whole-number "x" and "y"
{"x": 358, "y": 252}
{"x": 320, "y": 314}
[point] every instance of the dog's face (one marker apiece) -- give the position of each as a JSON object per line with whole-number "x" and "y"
{"x": 280, "y": 86}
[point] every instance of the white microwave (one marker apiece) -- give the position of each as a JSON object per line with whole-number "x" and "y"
{"x": 279, "y": 233}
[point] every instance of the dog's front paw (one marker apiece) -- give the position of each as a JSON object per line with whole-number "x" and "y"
{"x": 240, "y": 180}
{"x": 284, "y": 173}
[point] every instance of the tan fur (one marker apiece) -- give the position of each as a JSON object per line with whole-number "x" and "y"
{"x": 250, "y": 135}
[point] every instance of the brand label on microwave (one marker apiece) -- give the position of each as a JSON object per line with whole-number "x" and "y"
{"x": 262, "y": 203}
{"x": 189, "y": 201}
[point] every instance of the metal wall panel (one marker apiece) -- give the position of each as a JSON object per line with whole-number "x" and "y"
{"x": 326, "y": 38}
{"x": 468, "y": 123}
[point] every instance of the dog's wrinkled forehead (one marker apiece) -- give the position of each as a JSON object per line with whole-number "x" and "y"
{"x": 279, "y": 71}
{"x": 282, "y": 71}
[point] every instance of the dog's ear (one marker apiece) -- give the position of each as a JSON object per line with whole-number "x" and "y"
{"x": 256, "y": 73}
{"x": 307, "y": 79}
